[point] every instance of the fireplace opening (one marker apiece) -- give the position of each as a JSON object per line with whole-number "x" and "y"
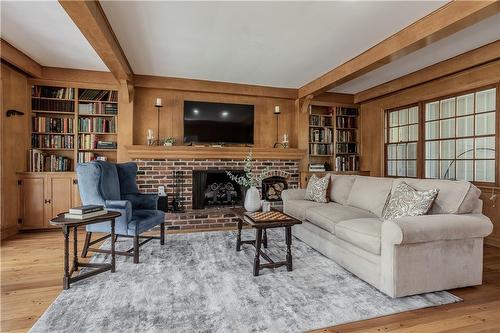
{"x": 214, "y": 188}
{"x": 272, "y": 188}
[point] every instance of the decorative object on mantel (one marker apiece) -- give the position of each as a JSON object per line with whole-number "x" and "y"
{"x": 168, "y": 141}
{"x": 158, "y": 105}
{"x": 150, "y": 137}
{"x": 250, "y": 181}
{"x": 277, "y": 113}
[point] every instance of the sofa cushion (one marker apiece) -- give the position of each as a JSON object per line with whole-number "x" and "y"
{"x": 340, "y": 187}
{"x": 364, "y": 233}
{"x": 297, "y": 208}
{"x": 370, "y": 193}
{"x": 328, "y": 215}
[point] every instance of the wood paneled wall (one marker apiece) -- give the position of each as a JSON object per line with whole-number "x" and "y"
{"x": 14, "y": 144}
{"x": 171, "y": 115}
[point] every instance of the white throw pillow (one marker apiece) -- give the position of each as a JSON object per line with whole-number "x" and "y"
{"x": 406, "y": 201}
{"x": 316, "y": 188}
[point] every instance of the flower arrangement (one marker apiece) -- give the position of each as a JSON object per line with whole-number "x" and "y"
{"x": 248, "y": 179}
{"x": 168, "y": 141}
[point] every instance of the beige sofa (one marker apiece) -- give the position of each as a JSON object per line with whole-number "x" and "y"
{"x": 411, "y": 255}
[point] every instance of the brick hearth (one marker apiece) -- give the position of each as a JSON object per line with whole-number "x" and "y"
{"x": 156, "y": 172}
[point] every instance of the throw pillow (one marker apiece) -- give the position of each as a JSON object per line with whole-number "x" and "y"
{"x": 316, "y": 188}
{"x": 406, "y": 201}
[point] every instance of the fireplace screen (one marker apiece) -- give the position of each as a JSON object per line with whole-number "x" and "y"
{"x": 272, "y": 188}
{"x": 214, "y": 188}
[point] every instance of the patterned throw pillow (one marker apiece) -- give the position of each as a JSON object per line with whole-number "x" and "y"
{"x": 316, "y": 188}
{"x": 406, "y": 201}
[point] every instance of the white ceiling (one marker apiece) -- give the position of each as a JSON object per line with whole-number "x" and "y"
{"x": 284, "y": 44}
{"x": 43, "y": 31}
{"x": 480, "y": 34}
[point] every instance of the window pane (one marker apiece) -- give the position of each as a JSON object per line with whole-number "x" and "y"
{"x": 448, "y": 108}
{"x": 465, "y": 148}
{"x": 485, "y": 171}
{"x": 448, "y": 169}
{"x": 447, "y": 149}
{"x": 485, "y": 100}
{"x": 447, "y": 128}
{"x": 465, "y": 126}
{"x": 413, "y": 115}
{"x": 391, "y": 152}
{"x": 411, "y": 151}
{"x": 402, "y": 151}
{"x": 401, "y": 172}
{"x": 464, "y": 170}
{"x": 432, "y": 169}
{"x": 393, "y": 119}
{"x": 432, "y": 150}
{"x": 413, "y": 133}
{"x": 403, "y": 134}
{"x": 432, "y": 111}
{"x": 465, "y": 104}
{"x": 485, "y": 123}
{"x": 391, "y": 168}
{"x": 403, "y": 117}
{"x": 432, "y": 130}
{"x": 393, "y": 135}
{"x": 411, "y": 169}
{"x": 485, "y": 147}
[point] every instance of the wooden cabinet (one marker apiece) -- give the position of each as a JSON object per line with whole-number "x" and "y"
{"x": 44, "y": 195}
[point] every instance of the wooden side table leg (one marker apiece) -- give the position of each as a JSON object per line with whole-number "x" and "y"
{"x": 75, "y": 249}
{"x": 113, "y": 245}
{"x": 238, "y": 238}
{"x": 66, "y": 277}
{"x": 264, "y": 239}
{"x": 258, "y": 243}
{"x": 288, "y": 239}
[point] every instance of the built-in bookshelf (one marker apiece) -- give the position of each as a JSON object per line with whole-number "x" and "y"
{"x": 71, "y": 125}
{"x": 333, "y": 138}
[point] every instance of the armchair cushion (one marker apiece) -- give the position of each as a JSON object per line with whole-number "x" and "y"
{"x": 142, "y": 200}
{"x": 429, "y": 228}
{"x": 144, "y": 220}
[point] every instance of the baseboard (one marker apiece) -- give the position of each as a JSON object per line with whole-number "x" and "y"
{"x": 7, "y": 232}
{"x": 492, "y": 241}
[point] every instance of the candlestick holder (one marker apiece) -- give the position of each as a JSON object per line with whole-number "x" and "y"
{"x": 158, "y": 140}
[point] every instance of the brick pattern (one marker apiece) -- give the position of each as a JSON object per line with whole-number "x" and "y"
{"x": 155, "y": 172}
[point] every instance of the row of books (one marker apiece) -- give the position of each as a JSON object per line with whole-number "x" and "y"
{"x": 317, "y": 167}
{"x": 98, "y": 95}
{"x": 52, "y": 105}
{"x": 320, "y": 149}
{"x": 347, "y": 122}
{"x": 52, "y": 141}
{"x": 320, "y": 135}
{"x": 347, "y": 163}
{"x": 86, "y": 156}
{"x": 97, "y": 108}
{"x": 91, "y": 141}
{"x": 346, "y": 136}
{"x": 40, "y": 162}
{"x": 52, "y": 92}
{"x": 52, "y": 125}
{"x": 316, "y": 120}
{"x": 102, "y": 125}
{"x": 85, "y": 212}
{"x": 347, "y": 148}
{"x": 346, "y": 111}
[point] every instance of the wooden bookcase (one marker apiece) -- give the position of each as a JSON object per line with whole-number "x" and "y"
{"x": 67, "y": 124}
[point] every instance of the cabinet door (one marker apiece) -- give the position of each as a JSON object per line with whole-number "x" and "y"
{"x": 33, "y": 203}
{"x": 61, "y": 191}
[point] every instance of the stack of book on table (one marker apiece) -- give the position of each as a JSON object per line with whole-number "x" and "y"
{"x": 85, "y": 212}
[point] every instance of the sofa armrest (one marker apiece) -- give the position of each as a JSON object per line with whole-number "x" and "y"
{"x": 429, "y": 228}
{"x": 293, "y": 194}
{"x": 142, "y": 200}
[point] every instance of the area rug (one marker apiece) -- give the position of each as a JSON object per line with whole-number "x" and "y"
{"x": 198, "y": 283}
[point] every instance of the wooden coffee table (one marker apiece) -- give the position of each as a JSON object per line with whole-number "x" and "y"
{"x": 261, "y": 222}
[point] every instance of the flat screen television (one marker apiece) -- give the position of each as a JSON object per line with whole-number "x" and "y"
{"x": 206, "y": 122}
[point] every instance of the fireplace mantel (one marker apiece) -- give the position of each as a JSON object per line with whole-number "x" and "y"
{"x": 193, "y": 152}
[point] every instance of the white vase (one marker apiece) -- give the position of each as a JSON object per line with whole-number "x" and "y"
{"x": 252, "y": 199}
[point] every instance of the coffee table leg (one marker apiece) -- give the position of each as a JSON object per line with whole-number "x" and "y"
{"x": 264, "y": 239}
{"x": 238, "y": 239}
{"x": 258, "y": 243}
{"x": 113, "y": 245}
{"x": 288, "y": 239}
{"x": 66, "y": 277}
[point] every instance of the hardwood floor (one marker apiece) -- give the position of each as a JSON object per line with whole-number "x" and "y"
{"x": 31, "y": 278}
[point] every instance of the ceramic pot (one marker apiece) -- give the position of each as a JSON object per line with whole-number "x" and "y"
{"x": 252, "y": 199}
{"x": 168, "y": 144}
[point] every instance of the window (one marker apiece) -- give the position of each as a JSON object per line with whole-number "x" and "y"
{"x": 401, "y": 142}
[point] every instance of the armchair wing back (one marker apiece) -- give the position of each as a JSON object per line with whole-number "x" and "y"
{"x": 98, "y": 181}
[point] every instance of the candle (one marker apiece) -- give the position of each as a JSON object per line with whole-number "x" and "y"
{"x": 277, "y": 109}
{"x": 159, "y": 102}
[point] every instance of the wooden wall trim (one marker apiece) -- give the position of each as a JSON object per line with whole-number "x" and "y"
{"x": 76, "y": 77}
{"x": 448, "y": 19}
{"x": 476, "y": 57}
{"x": 193, "y": 85}
{"x": 20, "y": 60}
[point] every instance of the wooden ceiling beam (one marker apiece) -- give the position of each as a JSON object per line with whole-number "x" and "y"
{"x": 20, "y": 60}
{"x": 473, "y": 58}
{"x": 89, "y": 17}
{"x": 448, "y": 19}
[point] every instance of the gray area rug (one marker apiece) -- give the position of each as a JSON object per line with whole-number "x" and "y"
{"x": 199, "y": 283}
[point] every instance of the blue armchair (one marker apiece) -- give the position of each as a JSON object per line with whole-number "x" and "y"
{"x": 114, "y": 186}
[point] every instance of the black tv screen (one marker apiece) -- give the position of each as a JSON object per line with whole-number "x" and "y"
{"x": 206, "y": 122}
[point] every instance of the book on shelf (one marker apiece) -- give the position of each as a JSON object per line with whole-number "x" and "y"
{"x": 85, "y": 209}
{"x": 87, "y": 156}
{"x": 320, "y": 149}
{"x": 318, "y": 120}
{"x": 85, "y": 108}
{"x": 42, "y": 124}
{"x": 98, "y": 95}
{"x": 347, "y": 148}
{"x": 52, "y": 105}
{"x": 87, "y": 141}
{"x": 346, "y": 111}
{"x": 40, "y": 162}
{"x": 344, "y": 136}
{"x": 85, "y": 216}
{"x": 101, "y": 125}
{"x": 320, "y": 135}
{"x": 347, "y": 163}
{"x": 316, "y": 167}
{"x": 346, "y": 122}
{"x": 52, "y": 92}
{"x": 52, "y": 141}
{"x": 106, "y": 145}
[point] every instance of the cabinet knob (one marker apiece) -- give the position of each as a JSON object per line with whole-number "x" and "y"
{"x": 47, "y": 201}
